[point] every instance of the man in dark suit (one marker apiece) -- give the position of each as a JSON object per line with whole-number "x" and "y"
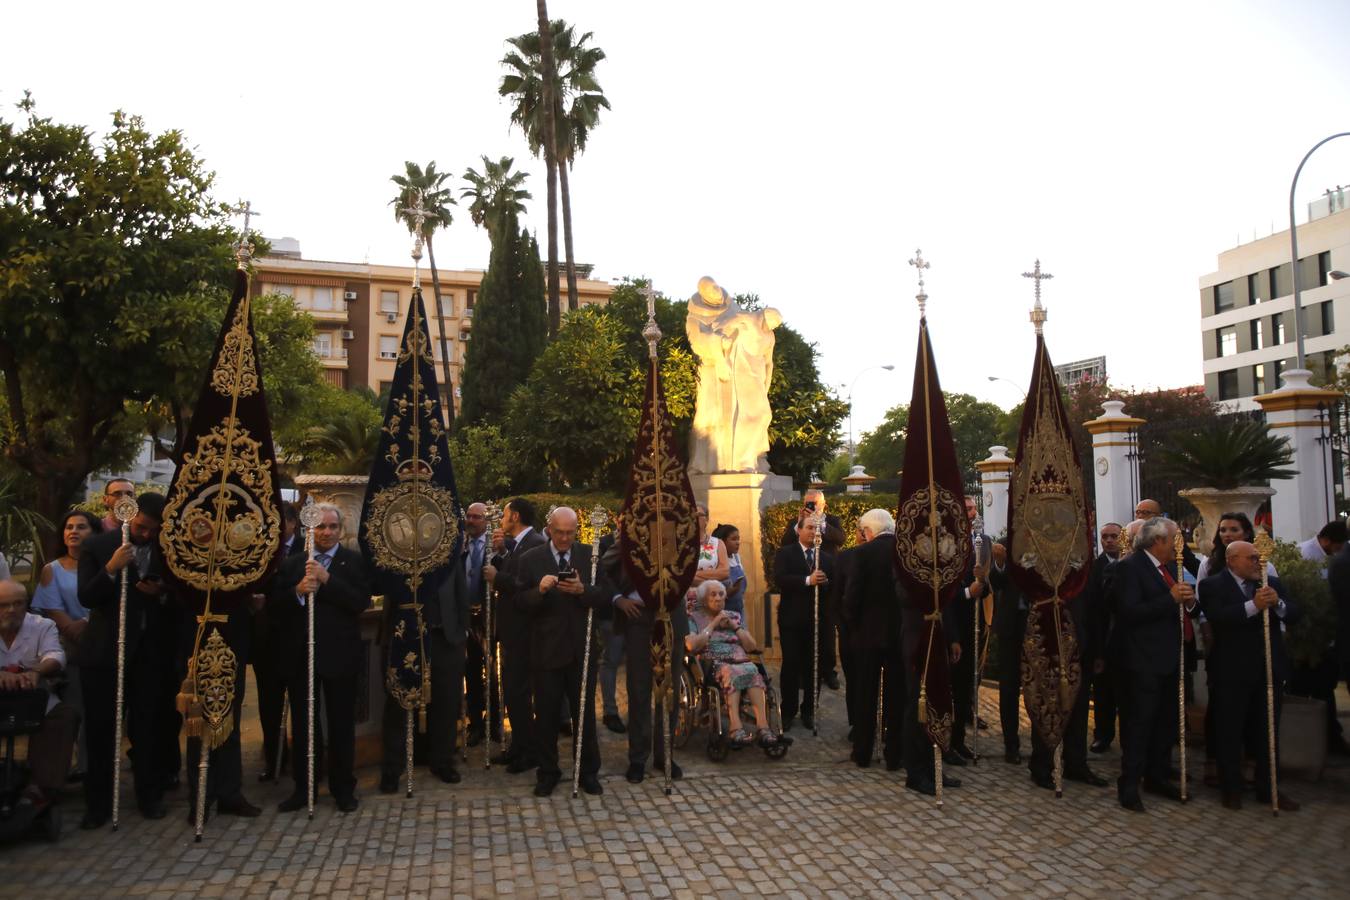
{"x": 849, "y": 653}
{"x": 1147, "y": 596}
{"x": 633, "y": 622}
{"x": 1101, "y": 615}
{"x": 871, "y": 609}
{"x": 959, "y": 619}
{"x": 1234, "y": 605}
{"x": 556, "y": 590}
{"x": 832, "y": 539}
{"x": 1010, "y": 627}
{"x": 920, "y": 771}
{"x": 152, "y": 676}
{"x": 798, "y": 574}
{"x": 1338, "y": 576}
{"x": 340, "y": 584}
{"x": 446, "y": 619}
{"x": 516, "y": 538}
{"x": 476, "y": 556}
{"x": 265, "y": 657}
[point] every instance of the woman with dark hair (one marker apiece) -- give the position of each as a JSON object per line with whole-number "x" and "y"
{"x": 1233, "y": 526}
{"x": 57, "y": 598}
{"x": 730, "y": 536}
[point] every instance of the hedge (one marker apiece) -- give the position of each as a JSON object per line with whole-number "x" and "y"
{"x": 848, "y": 507}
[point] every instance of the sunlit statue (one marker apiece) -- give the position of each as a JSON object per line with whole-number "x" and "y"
{"x": 735, "y": 353}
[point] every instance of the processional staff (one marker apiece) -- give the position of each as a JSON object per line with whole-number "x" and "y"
{"x": 310, "y": 517}
{"x": 1264, "y": 547}
{"x": 1179, "y": 548}
{"x": 976, "y": 662}
{"x": 599, "y": 519}
{"x": 125, "y": 510}
{"x": 493, "y": 516}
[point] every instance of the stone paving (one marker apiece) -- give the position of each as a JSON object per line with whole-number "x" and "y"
{"x": 809, "y": 825}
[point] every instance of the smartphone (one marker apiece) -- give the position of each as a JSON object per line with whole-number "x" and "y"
{"x": 567, "y": 574}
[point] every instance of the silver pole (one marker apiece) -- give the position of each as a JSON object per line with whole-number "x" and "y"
{"x": 125, "y": 510}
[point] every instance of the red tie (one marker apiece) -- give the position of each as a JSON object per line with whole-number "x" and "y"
{"x": 1186, "y": 622}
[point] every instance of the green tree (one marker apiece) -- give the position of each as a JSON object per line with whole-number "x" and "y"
{"x": 557, "y": 114}
{"x": 882, "y": 450}
{"x": 804, "y": 432}
{"x": 428, "y": 186}
{"x": 483, "y": 462}
{"x": 975, "y": 426}
{"x": 333, "y": 432}
{"x": 99, "y": 242}
{"x": 494, "y": 193}
{"x": 509, "y": 325}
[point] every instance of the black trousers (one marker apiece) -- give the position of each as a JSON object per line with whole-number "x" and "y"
{"x": 1042, "y": 762}
{"x": 1240, "y": 723}
{"x": 551, "y": 686}
{"x": 880, "y": 679}
{"x": 643, "y": 739}
{"x": 798, "y": 687}
{"x": 518, "y": 688}
{"x": 1011, "y": 630}
{"x": 1104, "y": 706}
{"x": 1148, "y": 728}
{"x": 963, "y": 688}
{"x": 848, "y": 661}
{"x": 829, "y": 634}
{"x": 224, "y": 771}
{"x": 476, "y": 671}
{"x": 918, "y": 749}
{"x": 447, "y": 688}
{"x": 270, "y": 685}
{"x": 337, "y": 694}
{"x": 152, "y": 725}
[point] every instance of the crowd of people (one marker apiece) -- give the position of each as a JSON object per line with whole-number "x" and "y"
{"x": 541, "y": 583}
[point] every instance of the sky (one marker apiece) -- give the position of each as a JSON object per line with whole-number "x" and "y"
{"x": 796, "y": 150}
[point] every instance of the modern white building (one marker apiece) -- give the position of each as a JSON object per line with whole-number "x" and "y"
{"x": 1247, "y": 305}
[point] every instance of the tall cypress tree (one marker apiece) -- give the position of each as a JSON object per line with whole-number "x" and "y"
{"x": 510, "y": 324}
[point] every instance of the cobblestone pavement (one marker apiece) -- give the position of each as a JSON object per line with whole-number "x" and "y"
{"x": 809, "y": 825}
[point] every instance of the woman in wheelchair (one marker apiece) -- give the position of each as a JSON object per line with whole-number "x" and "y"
{"x": 718, "y": 640}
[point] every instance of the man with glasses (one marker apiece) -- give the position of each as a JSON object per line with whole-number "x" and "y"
{"x": 113, "y": 491}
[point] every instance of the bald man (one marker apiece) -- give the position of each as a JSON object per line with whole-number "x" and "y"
{"x": 831, "y": 540}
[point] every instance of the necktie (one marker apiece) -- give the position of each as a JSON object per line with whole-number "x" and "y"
{"x": 475, "y": 566}
{"x": 810, "y": 558}
{"x": 1249, "y": 588}
{"x": 562, "y": 562}
{"x": 510, "y": 544}
{"x": 324, "y": 559}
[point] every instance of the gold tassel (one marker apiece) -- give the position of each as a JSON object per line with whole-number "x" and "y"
{"x": 189, "y": 705}
{"x": 1065, "y": 692}
{"x": 923, "y": 704}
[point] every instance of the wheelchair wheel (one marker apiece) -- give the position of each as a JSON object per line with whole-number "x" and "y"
{"x": 718, "y": 747}
{"x": 687, "y": 718}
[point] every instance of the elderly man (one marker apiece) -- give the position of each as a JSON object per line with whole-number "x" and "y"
{"x": 339, "y": 582}
{"x": 1147, "y": 596}
{"x": 831, "y": 540}
{"x": 798, "y": 573}
{"x": 871, "y": 607}
{"x": 556, "y": 591}
{"x": 30, "y": 655}
{"x": 1234, "y": 604}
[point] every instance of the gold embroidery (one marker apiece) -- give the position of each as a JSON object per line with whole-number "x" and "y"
{"x": 1051, "y": 690}
{"x": 914, "y": 529}
{"x": 236, "y": 359}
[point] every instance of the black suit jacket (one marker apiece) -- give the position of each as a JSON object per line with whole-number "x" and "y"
{"x": 337, "y": 614}
{"x": 831, "y": 539}
{"x": 873, "y": 595}
{"x": 512, "y": 620}
{"x": 155, "y": 617}
{"x": 1338, "y": 577}
{"x": 958, "y": 615}
{"x": 448, "y": 612}
{"x": 557, "y": 620}
{"x": 1149, "y": 632}
{"x": 796, "y": 598}
{"x": 1239, "y": 652}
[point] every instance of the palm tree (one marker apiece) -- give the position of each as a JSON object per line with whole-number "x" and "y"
{"x": 436, "y": 200}
{"x": 576, "y": 104}
{"x": 495, "y": 193}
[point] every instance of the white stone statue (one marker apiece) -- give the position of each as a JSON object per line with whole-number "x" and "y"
{"x": 735, "y": 352}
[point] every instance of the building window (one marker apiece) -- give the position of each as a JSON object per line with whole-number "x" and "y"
{"x": 1328, "y": 320}
{"x": 321, "y": 298}
{"x": 1257, "y": 335}
{"x": 1223, "y": 297}
{"x": 1323, "y": 270}
{"x": 1258, "y": 379}
{"x": 388, "y": 346}
{"x": 1280, "y": 284}
{"x": 389, "y": 302}
{"x": 1277, "y": 330}
{"x": 385, "y": 388}
{"x": 1227, "y": 338}
{"x": 1258, "y": 286}
{"x": 323, "y": 344}
{"x": 1277, "y": 371}
{"x": 469, "y": 300}
{"x": 287, "y": 290}
{"x": 1228, "y": 384}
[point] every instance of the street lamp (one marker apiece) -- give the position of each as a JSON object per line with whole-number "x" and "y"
{"x": 1013, "y": 383}
{"x": 1293, "y": 247}
{"x": 888, "y": 368}
{"x": 1337, "y": 274}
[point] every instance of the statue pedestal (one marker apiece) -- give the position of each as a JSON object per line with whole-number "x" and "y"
{"x": 738, "y": 498}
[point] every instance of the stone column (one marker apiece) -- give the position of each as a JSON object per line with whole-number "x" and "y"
{"x": 1114, "y": 451}
{"x": 995, "y": 473}
{"x": 1303, "y": 504}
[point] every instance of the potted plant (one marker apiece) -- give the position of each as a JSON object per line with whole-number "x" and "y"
{"x": 1230, "y": 458}
{"x": 1303, "y": 724}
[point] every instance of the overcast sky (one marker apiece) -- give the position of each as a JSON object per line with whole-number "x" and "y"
{"x": 801, "y": 151}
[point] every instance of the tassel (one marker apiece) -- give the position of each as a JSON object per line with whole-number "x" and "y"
{"x": 923, "y": 704}
{"x": 1065, "y": 692}
{"x": 422, "y": 718}
{"x": 189, "y": 705}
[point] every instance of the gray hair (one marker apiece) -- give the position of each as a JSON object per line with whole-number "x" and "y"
{"x": 702, "y": 590}
{"x": 329, "y": 508}
{"x": 877, "y": 521}
{"x": 1152, "y": 531}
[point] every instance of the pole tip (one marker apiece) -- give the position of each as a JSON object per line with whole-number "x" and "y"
{"x": 197, "y": 839}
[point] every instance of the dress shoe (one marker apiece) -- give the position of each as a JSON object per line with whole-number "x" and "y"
{"x": 544, "y": 787}
{"x": 922, "y": 785}
{"x": 522, "y": 764}
{"x": 237, "y": 806}
{"x": 676, "y": 773}
{"x": 1086, "y": 776}
{"x": 831, "y": 681}
{"x": 93, "y": 820}
{"x": 1165, "y": 789}
{"x": 950, "y": 782}
{"x": 475, "y": 735}
{"x": 952, "y": 758}
{"x": 1012, "y": 756}
{"x": 1287, "y": 804}
{"x": 1100, "y": 746}
{"x": 861, "y": 761}
{"x": 1132, "y": 802}
{"x": 565, "y": 729}
{"x": 849, "y": 738}
{"x": 635, "y": 773}
{"x": 449, "y": 774}
{"x": 153, "y": 809}
{"x": 787, "y": 723}
{"x": 615, "y": 724}
{"x": 388, "y": 783}
{"x": 1043, "y": 781}
{"x": 964, "y": 752}
{"x": 347, "y": 804}
{"x": 591, "y": 785}
{"x": 501, "y": 759}
{"x": 1232, "y": 800}
{"x": 266, "y": 775}
{"x": 293, "y": 803}
{"x": 894, "y": 765}
{"x": 808, "y": 721}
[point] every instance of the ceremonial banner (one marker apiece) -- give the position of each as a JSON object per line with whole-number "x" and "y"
{"x": 932, "y": 540}
{"x": 1050, "y": 554}
{"x": 222, "y": 522}
{"x": 411, "y": 524}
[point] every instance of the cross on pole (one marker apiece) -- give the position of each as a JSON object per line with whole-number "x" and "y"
{"x": 417, "y": 219}
{"x": 652, "y": 331}
{"x": 1038, "y": 315}
{"x": 243, "y": 250}
{"x": 920, "y": 263}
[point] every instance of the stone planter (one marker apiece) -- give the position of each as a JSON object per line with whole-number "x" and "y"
{"x": 346, "y": 492}
{"x": 1303, "y": 737}
{"x": 1213, "y": 503}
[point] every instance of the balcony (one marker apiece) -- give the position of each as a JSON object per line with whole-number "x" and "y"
{"x": 338, "y": 314}
{"x": 332, "y": 358}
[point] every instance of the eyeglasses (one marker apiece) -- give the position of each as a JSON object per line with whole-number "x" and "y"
{"x": 121, "y": 494}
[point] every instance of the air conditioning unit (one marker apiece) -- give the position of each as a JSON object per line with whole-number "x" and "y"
{"x": 349, "y": 295}
{"x": 348, "y": 334}
{"x": 464, "y": 335}
{"x": 391, "y": 317}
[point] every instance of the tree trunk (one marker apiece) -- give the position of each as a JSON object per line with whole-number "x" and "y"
{"x": 567, "y": 235}
{"x": 548, "y": 77}
{"x": 445, "y": 347}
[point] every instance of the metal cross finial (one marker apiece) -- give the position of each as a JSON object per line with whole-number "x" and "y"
{"x": 243, "y": 251}
{"x": 417, "y": 219}
{"x": 651, "y": 332}
{"x": 1038, "y": 315}
{"x": 920, "y": 263}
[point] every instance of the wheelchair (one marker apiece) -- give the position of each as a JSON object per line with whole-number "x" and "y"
{"x": 701, "y": 706}
{"x": 22, "y": 713}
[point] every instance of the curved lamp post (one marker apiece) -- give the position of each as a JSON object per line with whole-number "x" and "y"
{"x": 1293, "y": 247}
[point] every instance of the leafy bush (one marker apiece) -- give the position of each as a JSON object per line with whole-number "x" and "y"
{"x": 1308, "y": 639}
{"x": 1227, "y": 453}
{"x": 848, "y": 507}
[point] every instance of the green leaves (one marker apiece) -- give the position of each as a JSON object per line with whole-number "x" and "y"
{"x": 1226, "y": 454}
{"x": 578, "y": 95}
